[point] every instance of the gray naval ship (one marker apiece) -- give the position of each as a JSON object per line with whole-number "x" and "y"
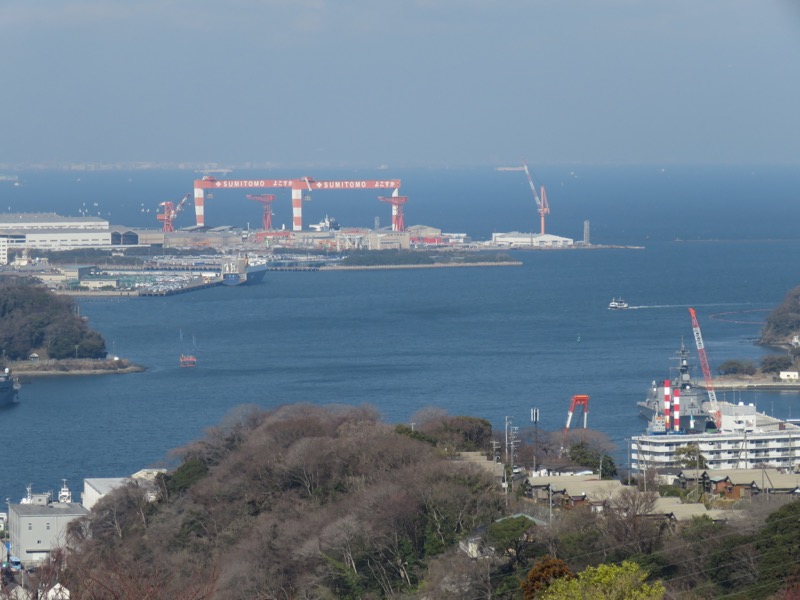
{"x": 694, "y": 416}
{"x": 9, "y": 389}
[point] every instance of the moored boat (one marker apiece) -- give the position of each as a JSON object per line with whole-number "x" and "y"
{"x": 239, "y": 271}
{"x": 188, "y": 360}
{"x": 9, "y": 388}
{"x": 693, "y": 415}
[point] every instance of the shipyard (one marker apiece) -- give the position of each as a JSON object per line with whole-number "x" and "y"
{"x": 34, "y": 243}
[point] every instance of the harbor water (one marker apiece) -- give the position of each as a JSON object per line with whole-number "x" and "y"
{"x": 490, "y": 342}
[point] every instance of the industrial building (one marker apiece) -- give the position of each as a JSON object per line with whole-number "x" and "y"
{"x": 515, "y": 239}
{"x": 38, "y": 525}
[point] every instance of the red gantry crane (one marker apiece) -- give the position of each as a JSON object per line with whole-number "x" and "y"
{"x": 266, "y": 200}
{"x": 301, "y": 188}
{"x": 701, "y": 352}
{"x": 541, "y": 202}
{"x": 578, "y": 400}
{"x": 170, "y": 213}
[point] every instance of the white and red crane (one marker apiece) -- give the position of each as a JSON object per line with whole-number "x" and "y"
{"x": 541, "y": 201}
{"x": 266, "y": 200}
{"x": 701, "y": 352}
{"x": 397, "y": 202}
{"x": 171, "y": 211}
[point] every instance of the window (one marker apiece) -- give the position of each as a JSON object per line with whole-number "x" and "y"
{"x": 48, "y": 526}
{"x": 30, "y": 526}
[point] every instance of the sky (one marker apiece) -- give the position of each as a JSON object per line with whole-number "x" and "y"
{"x": 402, "y": 83}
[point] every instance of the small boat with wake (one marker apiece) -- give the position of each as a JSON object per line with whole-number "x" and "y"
{"x": 617, "y": 304}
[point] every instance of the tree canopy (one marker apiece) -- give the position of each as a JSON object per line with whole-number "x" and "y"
{"x": 612, "y": 582}
{"x": 300, "y": 501}
{"x": 34, "y": 319}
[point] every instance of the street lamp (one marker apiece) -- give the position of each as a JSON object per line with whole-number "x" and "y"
{"x": 76, "y": 351}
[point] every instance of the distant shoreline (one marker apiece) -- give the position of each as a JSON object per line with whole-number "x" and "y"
{"x": 509, "y": 263}
{"x": 728, "y": 383}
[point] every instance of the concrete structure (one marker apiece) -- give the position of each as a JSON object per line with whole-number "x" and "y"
{"x": 37, "y": 525}
{"x": 515, "y": 239}
{"x": 97, "y": 487}
{"x": 388, "y": 240}
{"x": 3, "y": 251}
{"x": 188, "y": 240}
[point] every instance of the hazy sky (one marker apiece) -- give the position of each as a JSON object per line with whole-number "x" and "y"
{"x": 401, "y": 82}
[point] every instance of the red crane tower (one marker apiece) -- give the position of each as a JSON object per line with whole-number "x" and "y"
{"x": 266, "y": 200}
{"x": 541, "y": 202}
{"x": 397, "y": 202}
{"x": 701, "y": 352}
{"x": 170, "y": 213}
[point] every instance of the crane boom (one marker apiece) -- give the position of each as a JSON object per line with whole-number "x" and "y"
{"x": 170, "y": 213}
{"x": 701, "y": 352}
{"x": 541, "y": 201}
{"x": 533, "y": 187}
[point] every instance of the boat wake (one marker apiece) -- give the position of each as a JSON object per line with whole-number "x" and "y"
{"x": 648, "y": 306}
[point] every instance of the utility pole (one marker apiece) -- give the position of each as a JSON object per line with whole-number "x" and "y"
{"x": 630, "y": 442}
{"x": 508, "y": 423}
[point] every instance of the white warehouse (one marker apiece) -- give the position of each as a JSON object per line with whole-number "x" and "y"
{"x": 49, "y": 231}
{"x": 515, "y": 239}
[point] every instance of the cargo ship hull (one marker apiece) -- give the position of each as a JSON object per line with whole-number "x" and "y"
{"x": 246, "y": 278}
{"x": 240, "y": 272}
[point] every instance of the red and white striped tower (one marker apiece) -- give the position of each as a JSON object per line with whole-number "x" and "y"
{"x": 297, "y": 209}
{"x": 676, "y": 408}
{"x": 667, "y": 403}
{"x": 199, "y": 206}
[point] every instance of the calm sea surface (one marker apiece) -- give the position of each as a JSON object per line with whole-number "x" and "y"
{"x": 487, "y": 342}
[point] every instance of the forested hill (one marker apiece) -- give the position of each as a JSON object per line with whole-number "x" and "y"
{"x": 783, "y": 323}
{"x": 300, "y": 502}
{"x": 330, "y": 503}
{"x": 34, "y": 319}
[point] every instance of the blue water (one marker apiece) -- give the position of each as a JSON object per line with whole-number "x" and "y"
{"x": 487, "y": 342}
